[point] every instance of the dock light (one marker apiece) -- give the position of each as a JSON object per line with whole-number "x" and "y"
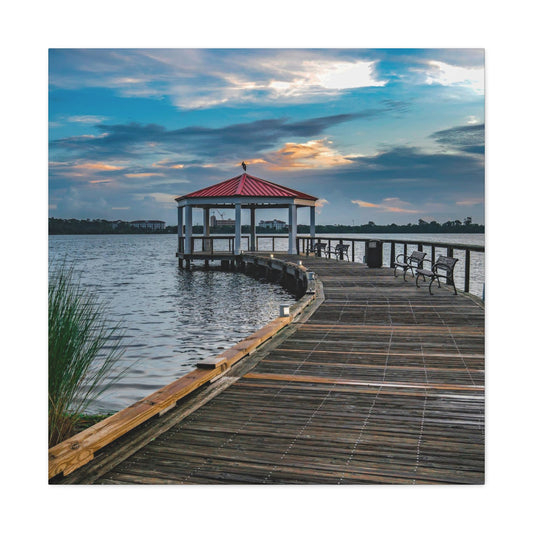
{"x": 300, "y": 262}
{"x": 271, "y": 256}
{"x": 284, "y": 310}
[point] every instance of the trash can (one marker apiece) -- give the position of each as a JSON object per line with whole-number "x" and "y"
{"x": 374, "y": 254}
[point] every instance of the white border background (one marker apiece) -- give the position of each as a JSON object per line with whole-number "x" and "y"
{"x": 32, "y": 28}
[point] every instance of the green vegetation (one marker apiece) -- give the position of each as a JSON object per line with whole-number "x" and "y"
{"x": 58, "y": 226}
{"x": 73, "y": 226}
{"x": 83, "y": 350}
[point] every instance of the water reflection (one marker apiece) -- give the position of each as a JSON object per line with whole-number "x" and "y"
{"x": 172, "y": 318}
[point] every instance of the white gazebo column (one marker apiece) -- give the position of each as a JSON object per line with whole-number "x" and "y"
{"x": 206, "y": 245}
{"x": 252, "y": 229}
{"x": 237, "y": 228}
{"x": 293, "y": 228}
{"x": 312, "y": 224}
{"x": 180, "y": 228}
{"x": 188, "y": 229}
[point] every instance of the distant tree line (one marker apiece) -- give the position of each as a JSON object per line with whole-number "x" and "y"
{"x": 72, "y": 226}
{"x": 59, "y": 226}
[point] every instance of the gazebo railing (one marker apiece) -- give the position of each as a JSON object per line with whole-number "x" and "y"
{"x": 262, "y": 241}
{"x": 226, "y": 243}
{"x": 210, "y": 244}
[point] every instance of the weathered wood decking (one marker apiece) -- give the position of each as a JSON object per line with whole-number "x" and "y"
{"x": 383, "y": 383}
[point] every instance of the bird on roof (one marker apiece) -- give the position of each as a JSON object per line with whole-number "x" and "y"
{"x": 244, "y": 166}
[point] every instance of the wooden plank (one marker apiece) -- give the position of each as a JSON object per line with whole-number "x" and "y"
{"x": 384, "y": 383}
{"x": 340, "y": 381}
{"x": 77, "y": 451}
{"x": 72, "y": 453}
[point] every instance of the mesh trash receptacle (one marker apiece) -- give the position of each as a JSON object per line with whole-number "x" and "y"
{"x": 374, "y": 254}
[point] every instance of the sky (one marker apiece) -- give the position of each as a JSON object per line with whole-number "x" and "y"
{"x": 381, "y": 135}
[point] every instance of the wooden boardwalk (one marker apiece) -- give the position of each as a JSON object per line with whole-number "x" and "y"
{"x": 383, "y": 383}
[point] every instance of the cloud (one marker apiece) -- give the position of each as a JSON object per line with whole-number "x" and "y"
{"x": 228, "y": 142}
{"x": 143, "y": 174}
{"x": 86, "y": 119}
{"x": 210, "y": 78}
{"x": 160, "y": 197}
{"x": 89, "y": 171}
{"x": 390, "y": 205}
{"x": 470, "y": 139}
{"x": 98, "y": 166}
{"x": 445, "y": 74}
{"x": 470, "y": 201}
{"x": 312, "y": 154}
{"x": 320, "y": 203}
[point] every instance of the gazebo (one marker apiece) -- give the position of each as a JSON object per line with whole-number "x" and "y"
{"x": 242, "y": 192}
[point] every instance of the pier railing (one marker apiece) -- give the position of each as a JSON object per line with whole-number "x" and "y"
{"x": 393, "y": 247}
{"x": 471, "y": 257}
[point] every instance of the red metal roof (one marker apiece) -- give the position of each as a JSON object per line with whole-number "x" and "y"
{"x": 246, "y": 185}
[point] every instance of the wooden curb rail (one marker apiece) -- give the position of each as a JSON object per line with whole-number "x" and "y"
{"x": 78, "y": 450}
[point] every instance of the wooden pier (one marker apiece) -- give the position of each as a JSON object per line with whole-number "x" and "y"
{"x": 376, "y": 382}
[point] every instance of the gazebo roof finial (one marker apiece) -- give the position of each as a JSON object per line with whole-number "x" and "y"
{"x": 243, "y": 166}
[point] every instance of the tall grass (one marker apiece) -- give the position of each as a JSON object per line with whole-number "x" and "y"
{"x": 83, "y": 352}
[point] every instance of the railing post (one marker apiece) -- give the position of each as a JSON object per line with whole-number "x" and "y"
{"x": 432, "y": 253}
{"x": 353, "y": 251}
{"x": 392, "y": 253}
{"x": 467, "y": 270}
{"x": 405, "y": 250}
{"x": 449, "y": 253}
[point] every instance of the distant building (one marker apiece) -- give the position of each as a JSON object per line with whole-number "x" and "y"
{"x": 214, "y": 222}
{"x": 273, "y": 224}
{"x": 152, "y": 225}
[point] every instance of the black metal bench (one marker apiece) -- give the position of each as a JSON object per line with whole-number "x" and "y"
{"x": 410, "y": 262}
{"x": 341, "y": 250}
{"x": 318, "y": 249}
{"x": 442, "y": 268}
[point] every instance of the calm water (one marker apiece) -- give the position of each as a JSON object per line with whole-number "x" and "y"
{"x": 171, "y": 318}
